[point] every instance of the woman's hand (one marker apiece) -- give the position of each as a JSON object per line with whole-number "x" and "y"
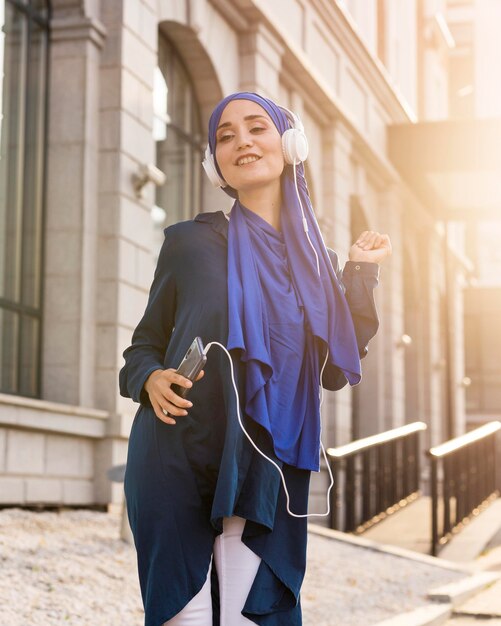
{"x": 370, "y": 246}
{"x": 158, "y": 387}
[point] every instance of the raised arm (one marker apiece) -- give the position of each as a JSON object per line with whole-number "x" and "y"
{"x": 358, "y": 280}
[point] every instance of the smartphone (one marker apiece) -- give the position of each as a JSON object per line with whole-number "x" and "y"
{"x": 193, "y": 361}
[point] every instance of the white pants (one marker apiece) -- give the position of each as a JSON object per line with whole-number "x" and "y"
{"x": 236, "y": 567}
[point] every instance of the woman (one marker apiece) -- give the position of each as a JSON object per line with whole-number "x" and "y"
{"x": 217, "y": 541}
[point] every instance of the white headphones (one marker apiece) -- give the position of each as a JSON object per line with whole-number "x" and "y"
{"x": 294, "y": 147}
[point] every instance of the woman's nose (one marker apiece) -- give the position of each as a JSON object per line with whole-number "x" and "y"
{"x": 244, "y": 140}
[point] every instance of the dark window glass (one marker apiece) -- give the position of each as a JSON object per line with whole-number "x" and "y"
{"x": 23, "y": 92}
{"x": 40, "y": 7}
{"x": 177, "y": 133}
{"x": 28, "y": 366}
{"x": 12, "y": 152}
{"x": 9, "y": 358}
{"x": 33, "y": 167}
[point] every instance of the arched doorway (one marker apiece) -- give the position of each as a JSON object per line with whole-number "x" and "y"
{"x": 177, "y": 131}
{"x": 186, "y": 90}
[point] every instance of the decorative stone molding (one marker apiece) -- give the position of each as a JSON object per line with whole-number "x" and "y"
{"x": 235, "y": 17}
{"x": 78, "y": 28}
{"x": 260, "y": 60}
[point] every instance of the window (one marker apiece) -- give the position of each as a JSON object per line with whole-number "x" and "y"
{"x": 178, "y": 136}
{"x": 23, "y": 106}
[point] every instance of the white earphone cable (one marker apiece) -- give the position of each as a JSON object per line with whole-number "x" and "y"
{"x": 305, "y": 223}
{"x": 216, "y": 343}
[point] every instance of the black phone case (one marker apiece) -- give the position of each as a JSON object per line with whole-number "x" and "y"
{"x": 193, "y": 361}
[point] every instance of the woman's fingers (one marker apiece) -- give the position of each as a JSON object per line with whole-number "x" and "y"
{"x": 361, "y": 238}
{"x": 176, "y": 400}
{"x": 173, "y": 407}
{"x": 164, "y": 398}
{"x": 371, "y": 239}
{"x": 160, "y": 414}
{"x": 182, "y": 382}
{"x": 173, "y": 377}
{"x": 165, "y": 389}
{"x": 367, "y": 239}
{"x": 162, "y": 404}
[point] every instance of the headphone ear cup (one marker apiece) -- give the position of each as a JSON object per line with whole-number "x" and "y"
{"x": 211, "y": 171}
{"x": 294, "y": 146}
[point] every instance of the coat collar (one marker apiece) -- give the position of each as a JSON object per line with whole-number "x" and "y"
{"x": 216, "y": 219}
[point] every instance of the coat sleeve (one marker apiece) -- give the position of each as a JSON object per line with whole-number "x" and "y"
{"x": 358, "y": 281}
{"x": 151, "y": 336}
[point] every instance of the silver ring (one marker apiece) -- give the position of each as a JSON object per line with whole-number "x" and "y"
{"x": 165, "y": 412}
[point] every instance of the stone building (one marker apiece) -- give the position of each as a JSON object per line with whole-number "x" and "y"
{"x": 92, "y": 92}
{"x": 477, "y": 96}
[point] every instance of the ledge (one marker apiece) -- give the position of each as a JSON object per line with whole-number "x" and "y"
{"x": 42, "y": 415}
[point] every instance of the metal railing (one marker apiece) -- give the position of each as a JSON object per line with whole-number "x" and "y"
{"x": 374, "y": 477}
{"x": 464, "y": 476}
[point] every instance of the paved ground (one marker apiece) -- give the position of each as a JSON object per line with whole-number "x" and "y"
{"x": 71, "y": 568}
{"x": 409, "y": 528}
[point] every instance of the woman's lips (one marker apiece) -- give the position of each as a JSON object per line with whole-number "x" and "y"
{"x": 245, "y": 160}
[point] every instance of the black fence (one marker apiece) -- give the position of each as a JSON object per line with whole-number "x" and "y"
{"x": 464, "y": 476}
{"x": 374, "y": 477}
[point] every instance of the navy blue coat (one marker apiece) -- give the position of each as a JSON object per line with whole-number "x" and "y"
{"x": 181, "y": 480}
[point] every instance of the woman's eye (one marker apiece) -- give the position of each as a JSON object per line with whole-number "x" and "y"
{"x": 227, "y": 136}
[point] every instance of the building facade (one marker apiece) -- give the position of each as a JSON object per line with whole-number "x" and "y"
{"x": 474, "y": 95}
{"x": 94, "y": 92}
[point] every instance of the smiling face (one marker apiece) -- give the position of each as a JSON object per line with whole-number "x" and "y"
{"x": 248, "y": 147}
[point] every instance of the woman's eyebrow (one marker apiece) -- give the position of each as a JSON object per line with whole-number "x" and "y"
{"x": 246, "y": 118}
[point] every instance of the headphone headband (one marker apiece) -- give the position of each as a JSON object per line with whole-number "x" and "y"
{"x": 294, "y": 118}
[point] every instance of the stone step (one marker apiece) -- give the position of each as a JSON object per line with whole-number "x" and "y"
{"x": 457, "y": 593}
{"x": 430, "y": 615}
{"x": 486, "y": 604}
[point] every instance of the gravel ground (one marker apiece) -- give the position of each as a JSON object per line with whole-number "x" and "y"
{"x": 348, "y": 585}
{"x": 70, "y": 567}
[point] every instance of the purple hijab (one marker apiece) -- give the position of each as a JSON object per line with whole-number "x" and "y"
{"x": 314, "y": 310}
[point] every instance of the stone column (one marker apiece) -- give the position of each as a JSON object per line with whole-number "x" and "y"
{"x": 487, "y": 14}
{"x": 260, "y": 61}
{"x": 71, "y": 228}
{"x": 126, "y": 253}
{"x": 455, "y": 276}
{"x": 391, "y": 368}
{"x": 436, "y": 329}
{"x": 458, "y": 317}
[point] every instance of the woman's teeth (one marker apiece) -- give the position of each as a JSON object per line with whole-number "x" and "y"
{"x": 247, "y": 160}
